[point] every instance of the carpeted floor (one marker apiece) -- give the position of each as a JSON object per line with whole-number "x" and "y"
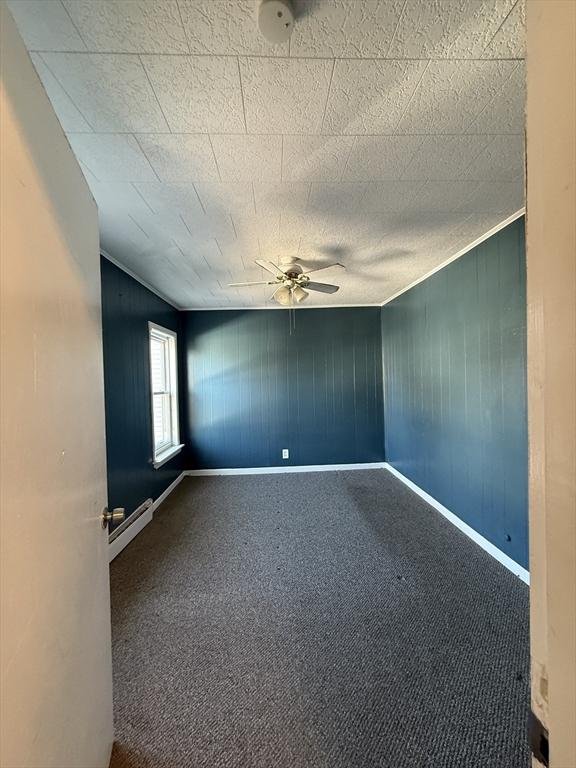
{"x": 326, "y": 620}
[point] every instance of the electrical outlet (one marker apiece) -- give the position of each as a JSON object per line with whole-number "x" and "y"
{"x": 285, "y": 453}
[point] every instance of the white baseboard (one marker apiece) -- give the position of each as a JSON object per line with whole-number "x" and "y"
{"x": 279, "y": 470}
{"x": 120, "y": 542}
{"x": 486, "y": 545}
{"x": 134, "y": 529}
{"x": 168, "y": 491}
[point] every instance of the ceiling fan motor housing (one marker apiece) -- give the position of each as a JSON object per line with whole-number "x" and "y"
{"x": 290, "y": 267}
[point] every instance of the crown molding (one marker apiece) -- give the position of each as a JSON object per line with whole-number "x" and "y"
{"x": 462, "y": 252}
{"x": 138, "y": 279}
{"x": 465, "y": 250}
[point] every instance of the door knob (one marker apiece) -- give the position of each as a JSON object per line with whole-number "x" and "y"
{"x": 117, "y": 515}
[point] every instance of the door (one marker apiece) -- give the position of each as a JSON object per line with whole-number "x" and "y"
{"x": 551, "y": 270}
{"x": 56, "y": 708}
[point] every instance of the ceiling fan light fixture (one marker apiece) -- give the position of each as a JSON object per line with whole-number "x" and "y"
{"x": 299, "y": 294}
{"x": 283, "y": 296}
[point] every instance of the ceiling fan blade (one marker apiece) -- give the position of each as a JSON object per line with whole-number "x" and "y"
{"x": 322, "y": 287}
{"x": 269, "y": 266}
{"x": 328, "y": 266}
{"x": 260, "y": 282}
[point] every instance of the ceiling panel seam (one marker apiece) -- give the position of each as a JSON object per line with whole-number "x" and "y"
{"x": 183, "y": 27}
{"x": 327, "y": 96}
{"x": 504, "y": 20}
{"x": 49, "y": 68}
{"x": 395, "y": 131}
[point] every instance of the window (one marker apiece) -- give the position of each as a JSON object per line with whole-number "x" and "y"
{"x": 164, "y": 386}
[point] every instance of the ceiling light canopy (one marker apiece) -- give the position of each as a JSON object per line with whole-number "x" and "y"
{"x": 276, "y": 20}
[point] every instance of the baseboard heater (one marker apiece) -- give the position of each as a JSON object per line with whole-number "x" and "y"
{"x": 131, "y": 519}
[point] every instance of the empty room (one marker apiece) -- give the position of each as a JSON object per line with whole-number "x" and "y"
{"x": 288, "y": 384}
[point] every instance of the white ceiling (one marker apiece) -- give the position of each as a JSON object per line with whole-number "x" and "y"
{"x": 387, "y": 135}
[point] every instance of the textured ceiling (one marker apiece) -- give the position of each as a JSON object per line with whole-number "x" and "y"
{"x": 387, "y": 135}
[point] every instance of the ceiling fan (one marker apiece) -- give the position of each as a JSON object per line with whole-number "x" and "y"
{"x": 292, "y": 281}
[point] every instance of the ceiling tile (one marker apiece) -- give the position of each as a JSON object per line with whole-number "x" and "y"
{"x": 170, "y": 198}
{"x": 322, "y": 248}
{"x": 87, "y": 173}
{"x": 129, "y": 26}
{"x": 251, "y": 228}
{"x": 355, "y": 230}
{"x": 111, "y": 90}
{"x": 452, "y": 93}
{"x": 498, "y": 197}
{"x": 315, "y": 158}
{"x": 112, "y": 156}
{"x": 286, "y": 198}
{"x": 415, "y": 232}
{"x": 285, "y": 96}
{"x": 180, "y": 157}
{"x": 121, "y": 237}
{"x": 45, "y": 25}
{"x": 370, "y": 96}
{"x": 309, "y": 225}
{"x": 201, "y": 251}
{"x": 226, "y": 27}
{"x": 445, "y": 28}
{"x": 442, "y": 158}
{"x": 71, "y": 119}
{"x": 172, "y": 276}
{"x": 505, "y": 112}
{"x": 336, "y": 197}
{"x": 274, "y": 248}
{"x": 390, "y": 195}
{"x": 345, "y": 28}
{"x": 477, "y": 23}
{"x": 118, "y": 196}
{"x": 248, "y": 158}
{"x": 374, "y": 158}
{"x": 198, "y": 94}
{"x": 209, "y": 227}
{"x": 450, "y": 196}
{"x": 472, "y": 228}
{"x": 510, "y": 40}
{"x": 240, "y": 256}
{"x": 501, "y": 160}
{"x": 376, "y": 190}
{"x": 164, "y": 229}
{"x": 230, "y": 197}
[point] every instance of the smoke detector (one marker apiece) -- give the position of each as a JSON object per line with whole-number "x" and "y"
{"x": 276, "y": 20}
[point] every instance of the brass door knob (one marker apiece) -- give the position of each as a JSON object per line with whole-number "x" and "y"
{"x": 117, "y": 515}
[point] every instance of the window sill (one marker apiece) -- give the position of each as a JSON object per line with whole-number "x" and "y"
{"x": 166, "y": 455}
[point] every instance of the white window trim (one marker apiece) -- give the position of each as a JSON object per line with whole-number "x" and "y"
{"x": 166, "y": 455}
{"x": 169, "y": 451}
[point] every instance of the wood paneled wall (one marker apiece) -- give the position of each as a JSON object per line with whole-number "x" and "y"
{"x": 455, "y": 388}
{"x": 254, "y": 388}
{"x": 127, "y": 306}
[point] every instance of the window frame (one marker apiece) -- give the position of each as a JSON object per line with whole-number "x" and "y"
{"x": 167, "y": 450}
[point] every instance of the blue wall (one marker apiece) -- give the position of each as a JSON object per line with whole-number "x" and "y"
{"x": 254, "y": 389}
{"x": 454, "y": 351}
{"x": 126, "y": 309}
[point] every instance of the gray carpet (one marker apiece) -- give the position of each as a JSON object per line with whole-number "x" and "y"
{"x": 326, "y": 620}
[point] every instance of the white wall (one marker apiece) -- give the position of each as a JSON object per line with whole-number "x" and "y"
{"x": 56, "y": 707}
{"x": 551, "y": 271}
